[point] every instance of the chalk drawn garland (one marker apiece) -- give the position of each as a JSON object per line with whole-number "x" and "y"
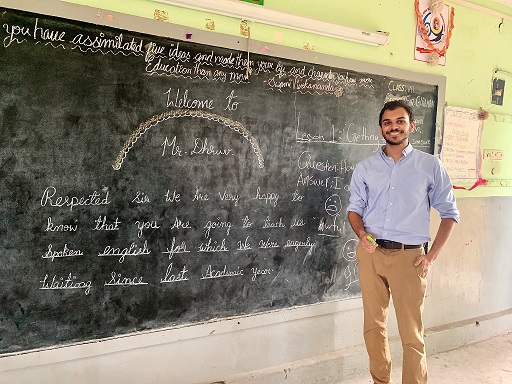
{"x": 154, "y": 120}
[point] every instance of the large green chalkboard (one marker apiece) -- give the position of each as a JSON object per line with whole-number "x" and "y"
{"x": 151, "y": 182}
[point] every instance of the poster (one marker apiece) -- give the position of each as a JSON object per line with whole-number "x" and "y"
{"x": 461, "y": 144}
{"x": 437, "y": 28}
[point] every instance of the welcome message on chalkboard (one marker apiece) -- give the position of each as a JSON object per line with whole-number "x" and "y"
{"x": 149, "y": 182}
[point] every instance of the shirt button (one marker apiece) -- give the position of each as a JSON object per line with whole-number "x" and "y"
{"x": 390, "y": 203}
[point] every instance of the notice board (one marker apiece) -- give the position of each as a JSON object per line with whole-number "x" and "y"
{"x": 461, "y": 144}
{"x": 151, "y": 181}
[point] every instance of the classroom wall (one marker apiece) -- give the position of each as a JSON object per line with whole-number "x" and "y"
{"x": 469, "y": 297}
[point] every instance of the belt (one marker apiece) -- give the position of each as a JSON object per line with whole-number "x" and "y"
{"x": 388, "y": 244}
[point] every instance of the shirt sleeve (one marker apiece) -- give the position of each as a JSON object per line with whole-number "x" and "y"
{"x": 358, "y": 192}
{"x": 441, "y": 195}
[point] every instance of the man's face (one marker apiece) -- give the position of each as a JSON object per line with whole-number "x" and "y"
{"x": 395, "y": 126}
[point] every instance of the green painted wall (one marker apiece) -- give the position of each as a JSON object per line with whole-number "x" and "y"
{"x": 478, "y": 46}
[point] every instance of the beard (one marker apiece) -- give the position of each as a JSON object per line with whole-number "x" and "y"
{"x": 399, "y": 142}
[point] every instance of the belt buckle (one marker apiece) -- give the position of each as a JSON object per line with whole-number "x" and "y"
{"x": 389, "y": 244}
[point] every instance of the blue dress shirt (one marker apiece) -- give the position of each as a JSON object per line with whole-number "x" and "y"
{"x": 394, "y": 200}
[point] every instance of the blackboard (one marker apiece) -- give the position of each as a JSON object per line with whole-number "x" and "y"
{"x": 149, "y": 181}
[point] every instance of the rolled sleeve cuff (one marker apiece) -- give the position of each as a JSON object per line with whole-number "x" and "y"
{"x": 455, "y": 216}
{"x": 353, "y": 208}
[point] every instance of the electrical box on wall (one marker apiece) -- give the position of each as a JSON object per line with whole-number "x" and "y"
{"x": 259, "y": 2}
{"x": 498, "y": 88}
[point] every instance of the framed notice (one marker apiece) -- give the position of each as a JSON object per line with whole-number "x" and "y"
{"x": 461, "y": 144}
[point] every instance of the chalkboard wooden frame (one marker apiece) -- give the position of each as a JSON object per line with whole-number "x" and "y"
{"x": 151, "y": 27}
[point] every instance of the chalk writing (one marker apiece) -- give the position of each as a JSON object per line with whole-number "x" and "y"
{"x": 259, "y": 272}
{"x": 143, "y": 225}
{"x": 232, "y": 104}
{"x": 65, "y": 283}
{"x": 245, "y": 245}
{"x": 400, "y": 87}
{"x": 153, "y": 50}
{"x": 297, "y": 223}
{"x": 198, "y": 196}
{"x": 177, "y": 99}
{"x": 102, "y": 225}
{"x": 174, "y": 198}
{"x": 246, "y": 222}
{"x": 298, "y": 244}
{"x": 269, "y": 198}
{"x": 328, "y": 183}
{"x": 179, "y": 224}
{"x": 216, "y": 225}
{"x": 95, "y": 198}
{"x": 174, "y": 278}
{"x": 296, "y": 196}
{"x": 226, "y": 196}
{"x": 13, "y": 31}
{"x": 38, "y": 33}
{"x": 234, "y": 125}
{"x": 202, "y": 147}
{"x": 101, "y": 41}
{"x": 177, "y": 54}
{"x": 132, "y": 250}
{"x": 212, "y": 246}
{"x": 52, "y": 227}
{"x": 176, "y": 248}
{"x": 267, "y": 223}
{"x": 305, "y": 161}
{"x": 117, "y": 279}
{"x": 212, "y": 273}
{"x": 141, "y": 198}
{"x": 66, "y": 252}
{"x": 330, "y": 228}
{"x": 175, "y": 149}
{"x": 266, "y": 244}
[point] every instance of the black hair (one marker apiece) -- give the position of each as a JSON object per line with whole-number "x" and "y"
{"x": 394, "y": 104}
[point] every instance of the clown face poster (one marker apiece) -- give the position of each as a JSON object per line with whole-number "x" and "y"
{"x": 432, "y": 32}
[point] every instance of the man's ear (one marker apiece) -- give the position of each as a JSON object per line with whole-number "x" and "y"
{"x": 412, "y": 126}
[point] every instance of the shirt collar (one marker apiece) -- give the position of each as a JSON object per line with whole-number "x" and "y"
{"x": 407, "y": 150}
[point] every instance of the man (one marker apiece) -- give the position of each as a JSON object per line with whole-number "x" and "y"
{"x": 391, "y": 193}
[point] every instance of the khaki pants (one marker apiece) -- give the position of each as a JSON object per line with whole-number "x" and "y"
{"x": 381, "y": 273}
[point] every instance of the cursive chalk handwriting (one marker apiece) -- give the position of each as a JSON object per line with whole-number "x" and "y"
{"x": 51, "y": 227}
{"x": 68, "y": 283}
{"x": 132, "y": 250}
{"x": 212, "y": 273}
{"x": 49, "y": 198}
{"x": 213, "y": 246}
{"x": 176, "y": 248}
{"x": 66, "y": 252}
{"x": 119, "y": 280}
{"x": 102, "y": 225}
{"x": 173, "y": 278}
